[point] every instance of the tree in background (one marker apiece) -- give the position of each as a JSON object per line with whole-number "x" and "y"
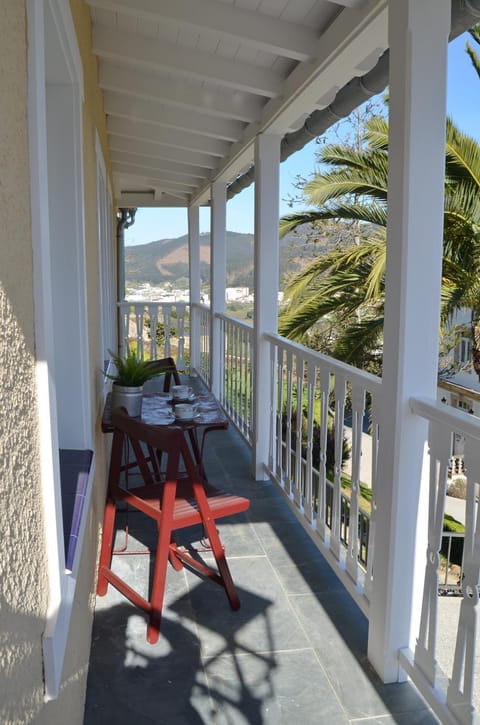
{"x": 340, "y": 295}
{"x": 343, "y": 288}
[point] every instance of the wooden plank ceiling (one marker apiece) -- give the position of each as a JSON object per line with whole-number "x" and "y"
{"x": 189, "y": 83}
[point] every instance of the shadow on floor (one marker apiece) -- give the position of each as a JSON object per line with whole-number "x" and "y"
{"x": 131, "y": 681}
{"x": 295, "y": 651}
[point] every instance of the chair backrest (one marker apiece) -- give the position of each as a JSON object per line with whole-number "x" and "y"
{"x": 159, "y": 440}
{"x": 165, "y": 366}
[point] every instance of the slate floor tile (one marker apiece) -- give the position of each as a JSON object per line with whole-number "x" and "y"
{"x": 278, "y": 688}
{"x": 264, "y": 622}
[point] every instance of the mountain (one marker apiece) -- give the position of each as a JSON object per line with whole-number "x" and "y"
{"x": 166, "y": 260}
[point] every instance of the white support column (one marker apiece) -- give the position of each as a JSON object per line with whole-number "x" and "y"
{"x": 218, "y": 274}
{"x": 194, "y": 277}
{"x": 418, "y": 57}
{"x": 266, "y": 270}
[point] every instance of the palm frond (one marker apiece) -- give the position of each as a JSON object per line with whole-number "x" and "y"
{"x": 473, "y": 57}
{"x": 360, "y": 339}
{"x": 290, "y": 222}
{"x": 377, "y": 133}
{"x": 475, "y": 35}
{"x": 462, "y": 155}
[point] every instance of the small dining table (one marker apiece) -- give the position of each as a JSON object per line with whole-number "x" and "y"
{"x": 158, "y": 409}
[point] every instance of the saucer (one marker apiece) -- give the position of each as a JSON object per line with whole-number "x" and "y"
{"x": 185, "y": 418}
{"x": 188, "y": 399}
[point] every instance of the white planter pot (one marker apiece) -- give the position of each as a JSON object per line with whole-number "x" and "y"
{"x": 128, "y": 398}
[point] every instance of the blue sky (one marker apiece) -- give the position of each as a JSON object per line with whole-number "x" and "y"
{"x": 153, "y": 224}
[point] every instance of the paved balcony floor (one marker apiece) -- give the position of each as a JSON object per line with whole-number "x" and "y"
{"x": 294, "y": 652}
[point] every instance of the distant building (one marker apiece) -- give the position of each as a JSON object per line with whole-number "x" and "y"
{"x": 462, "y": 388}
{"x": 237, "y": 294}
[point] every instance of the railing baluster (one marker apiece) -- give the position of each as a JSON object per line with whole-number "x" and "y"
{"x": 460, "y": 689}
{"x": 279, "y": 411}
{"x": 354, "y": 544}
{"x": 236, "y": 368}
{"x": 308, "y": 497}
{"x": 251, "y": 379}
{"x": 153, "y": 315}
{"x": 440, "y": 444}
{"x": 124, "y": 312}
{"x": 244, "y": 385}
{"x": 322, "y": 466}
{"x": 181, "y": 309}
{"x": 225, "y": 390}
{"x": 206, "y": 327}
{"x": 167, "y": 324}
{"x": 139, "y": 319}
{"x": 272, "y": 461}
{"x": 298, "y": 488}
{"x": 288, "y": 426}
{"x": 374, "y": 433}
{"x": 340, "y": 390}
{"x": 233, "y": 367}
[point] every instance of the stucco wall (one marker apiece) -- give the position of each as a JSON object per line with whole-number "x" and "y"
{"x": 23, "y": 570}
{"x": 22, "y": 591}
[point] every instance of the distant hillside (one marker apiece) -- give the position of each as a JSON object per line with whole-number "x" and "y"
{"x": 166, "y": 260}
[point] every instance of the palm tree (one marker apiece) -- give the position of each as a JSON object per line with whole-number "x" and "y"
{"x": 348, "y": 284}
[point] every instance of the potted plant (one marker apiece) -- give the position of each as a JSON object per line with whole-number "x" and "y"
{"x": 131, "y": 374}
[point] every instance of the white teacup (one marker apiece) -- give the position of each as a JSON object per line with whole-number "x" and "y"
{"x": 183, "y": 411}
{"x": 181, "y": 392}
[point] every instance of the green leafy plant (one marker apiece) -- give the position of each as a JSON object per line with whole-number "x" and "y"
{"x": 131, "y": 372}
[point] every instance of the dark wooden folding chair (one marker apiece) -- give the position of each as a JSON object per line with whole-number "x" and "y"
{"x": 165, "y": 366}
{"x": 175, "y": 499}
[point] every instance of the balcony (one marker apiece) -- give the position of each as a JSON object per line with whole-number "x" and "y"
{"x": 305, "y": 557}
{"x": 296, "y": 649}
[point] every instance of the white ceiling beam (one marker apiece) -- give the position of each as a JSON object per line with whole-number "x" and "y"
{"x": 265, "y": 33}
{"x": 239, "y": 106}
{"x": 153, "y": 55}
{"x": 123, "y": 106}
{"x": 139, "y": 180}
{"x": 160, "y": 151}
{"x": 164, "y": 196}
{"x": 139, "y": 199}
{"x": 166, "y": 179}
{"x": 167, "y": 136}
{"x": 176, "y": 170}
{"x": 348, "y": 3}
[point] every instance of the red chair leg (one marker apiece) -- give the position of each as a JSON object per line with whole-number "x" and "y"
{"x": 107, "y": 546}
{"x": 158, "y": 584}
{"x": 223, "y": 568}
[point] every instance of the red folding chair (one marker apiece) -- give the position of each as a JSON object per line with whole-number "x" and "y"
{"x": 175, "y": 499}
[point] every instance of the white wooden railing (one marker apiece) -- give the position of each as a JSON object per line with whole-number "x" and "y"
{"x": 236, "y": 393}
{"x": 155, "y": 330}
{"x": 454, "y": 694}
{"x": 307, "y": 451}
{"x": 201, "y": 323}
